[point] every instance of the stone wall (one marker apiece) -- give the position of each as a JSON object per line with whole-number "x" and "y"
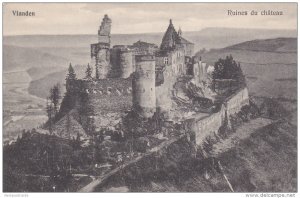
{"x": 200, "y": 72}
{"x": 235, "y": 102}
{"x": 103, "y": 62}
{"x": 104, "y": 30}
{"x": 126, "y": 63}
{"x": 111, "y": 94}
{"x": 207, "y": 126}
{"x": 104, "y": 100}
{"x": 174, "y": 68}
{"x": 189, "y": 49}
{"x": 143, "y": 85}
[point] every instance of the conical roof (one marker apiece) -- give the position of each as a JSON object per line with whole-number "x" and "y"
{"x": 170, "y": 39}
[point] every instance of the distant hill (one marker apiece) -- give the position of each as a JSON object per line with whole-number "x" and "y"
{"x": 16, "y": 58}
{"x": 41, "y": 55}
{"x": 280, "y": 45}
{"x": 262, "y": 51}
{"x": 264, "y": 61}
{"x": 41, "y": 87}
{"x": 207, "y": 38}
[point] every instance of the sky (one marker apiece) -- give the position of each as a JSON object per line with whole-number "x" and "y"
{"x": 127, "y": 18}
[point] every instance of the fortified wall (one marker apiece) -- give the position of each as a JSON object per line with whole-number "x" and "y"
{"x": 104, "y": 100}
{"x": 203, "y": 127}
{"x": 122, "y": 62}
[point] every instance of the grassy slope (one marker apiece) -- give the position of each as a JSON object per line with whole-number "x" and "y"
{"x": 22, "y": 58}
{"x": 41, "y": 87}
{"x": 263, "y": 62}
{"x": 265, "y": 162}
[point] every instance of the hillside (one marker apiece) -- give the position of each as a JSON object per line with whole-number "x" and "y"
{"x": 266, "y": 161}
{"x": 279, "y": 45}
{"x": 41, "y": 87}
{"x": 22, "y": 58}
{"x": 270, "y": 65}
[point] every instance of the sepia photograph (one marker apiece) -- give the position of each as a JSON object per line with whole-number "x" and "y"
{"x": 149, "y": 97}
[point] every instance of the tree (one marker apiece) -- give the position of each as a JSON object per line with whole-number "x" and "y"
{"x": 88, "y": 72}
{"x": 50, "y": 114}
{"x": 55, "y": 97}
{"x": 227, "y": 69}
{"x": 71, "y": 73}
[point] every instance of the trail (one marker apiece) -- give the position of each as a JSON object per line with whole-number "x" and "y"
{"x": 91, "y": 186}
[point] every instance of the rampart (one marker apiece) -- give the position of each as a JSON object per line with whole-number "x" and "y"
{"x": 111, "y": 94}
{"x": 203, "y": 127}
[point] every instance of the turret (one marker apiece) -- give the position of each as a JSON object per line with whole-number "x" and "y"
{"x": 179, "y": 32}
{"x": 143, "y": 86}
{"x": 100, "y": 50}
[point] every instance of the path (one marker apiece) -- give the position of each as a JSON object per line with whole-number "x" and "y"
{"x": 91, "y": 186}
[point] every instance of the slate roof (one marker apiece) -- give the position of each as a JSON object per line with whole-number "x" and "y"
{"x": 184, "y": 41}
{"x": 171, "y": 39}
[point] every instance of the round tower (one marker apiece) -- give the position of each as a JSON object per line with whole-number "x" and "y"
{"x": 103, "y": 60}
{"x": 126, "y": 63}
{"x": 143, "y": 86}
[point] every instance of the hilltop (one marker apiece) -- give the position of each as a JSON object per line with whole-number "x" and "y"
{"x": 208, "y": 38}
{"x": 270, "y": 65}
{"x": 278, "y": 45}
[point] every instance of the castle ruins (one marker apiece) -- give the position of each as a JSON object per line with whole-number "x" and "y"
{"x": 145, "y": 78}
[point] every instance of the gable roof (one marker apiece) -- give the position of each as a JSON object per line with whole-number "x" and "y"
{"x": 184, "y": 41}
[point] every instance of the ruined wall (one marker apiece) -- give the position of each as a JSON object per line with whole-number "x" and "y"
{"x": 104, "y": 30}
{"x": 115, "y": 62}
{"x": 103, "y": 62}
{"x": 200, "y": 72}
{"x": 174, "y": 68}
{"x": 105, "y": 94}
{"x": 122, "y": 62}
{"x": 104, "y": 100}
{"x": 126, "y": 63}
{"x": 237, "y": 101}
{"x": 143, "y": 85}
{"x": 210, "y": 125}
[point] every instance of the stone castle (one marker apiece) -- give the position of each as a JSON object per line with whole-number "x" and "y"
{"x": 139, "y": 77}
{"x": 154, "y": 70}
